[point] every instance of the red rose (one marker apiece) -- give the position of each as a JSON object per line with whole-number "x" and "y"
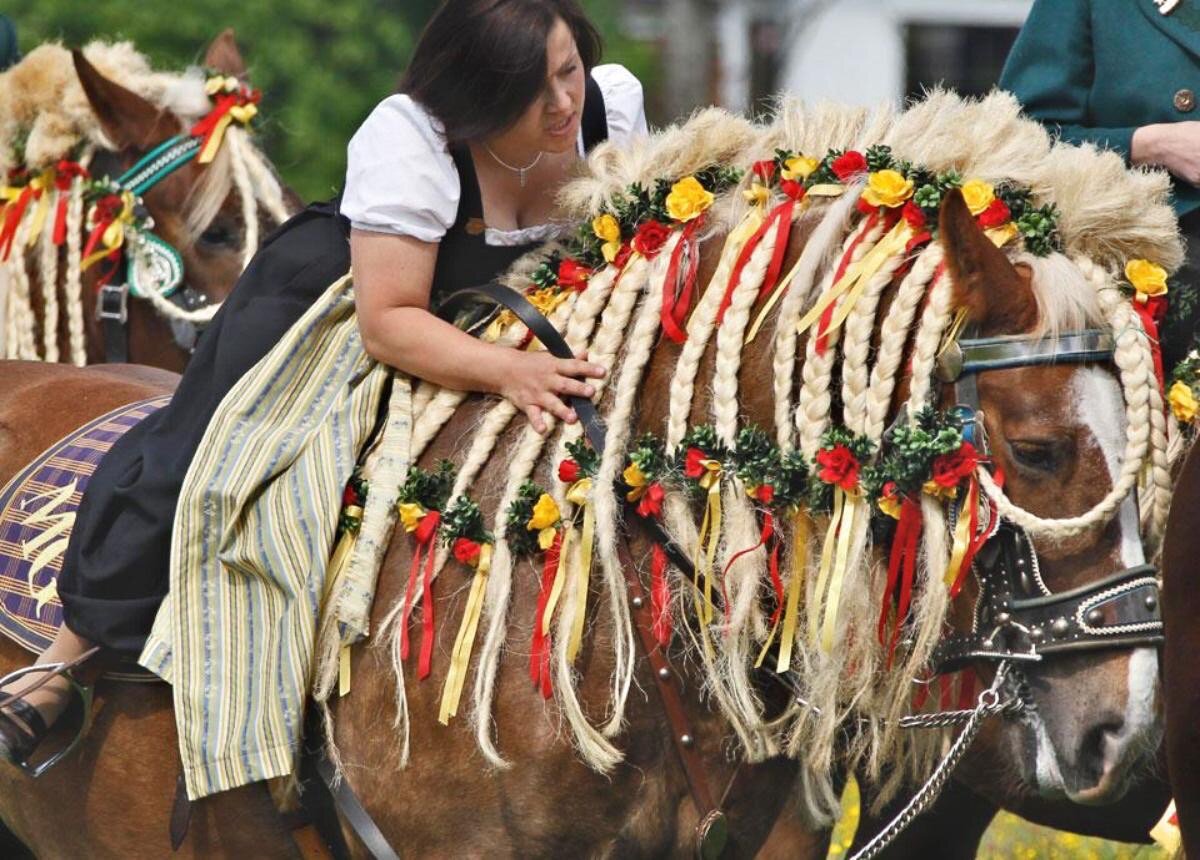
{"x": 764, "y": 170}
{"x": 650, "y": 504}
{"x": 568, "y": 471}
{"x": 765, "y": 493}
{"x": 792, "y": 189}
{"x": 466, "y": 550}
{"x": 691, "y": 465}
{"x": 623, "y": 256}
{"x": 838, "y": 466}
{"x": 996, "y": 215}
{"x": 650, "y": 238}
{"x": 949, "y": 469}
{"x": 914, "y": 215}
{"x": 350, "y": 497}
{"x": 849, "y": 164}
{"x": 573, "y": 275}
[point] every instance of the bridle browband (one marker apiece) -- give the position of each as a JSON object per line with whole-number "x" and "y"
{"x": 1017, "y": 618}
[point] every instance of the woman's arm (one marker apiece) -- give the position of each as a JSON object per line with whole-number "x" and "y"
{"x": 392, "y": 280}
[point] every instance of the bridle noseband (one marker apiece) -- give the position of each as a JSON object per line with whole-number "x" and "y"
{"x": 1017, "y": 618}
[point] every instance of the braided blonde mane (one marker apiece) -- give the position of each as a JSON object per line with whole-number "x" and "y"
{"x": 45, "y": 117}
{"x": 1108, "y": 215}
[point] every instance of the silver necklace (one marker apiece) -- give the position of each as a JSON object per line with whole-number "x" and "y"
{"x": 520, "y": 171}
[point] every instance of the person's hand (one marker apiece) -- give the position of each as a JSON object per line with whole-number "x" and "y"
{"x": 536, "y": 382}
{"x": 1173, "y": 145}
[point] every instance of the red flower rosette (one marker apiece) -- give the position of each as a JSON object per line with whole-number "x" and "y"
{"x": 839, "y": 466}
{"x": 793, "y": 189}
{"x": 568, "y": 471}
{"x": 849, "y": 165}
{"x": 350, "y": 497}
{"x": 466, "y": 551}
{"x": 650, "y": 504}
{"x": 914, "y": 216}
{"x": 949, "y": 469}
{"x": 650, "y": 238}
{"x": 764, "y": 170}
{"x": 573, "y": 275}
{"x": 996, "y": 215}
{"x": 693, "y": 466}
{"x": 765, "y": 493}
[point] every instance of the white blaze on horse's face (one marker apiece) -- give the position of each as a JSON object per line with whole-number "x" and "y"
{"x": 1096, "y": 718}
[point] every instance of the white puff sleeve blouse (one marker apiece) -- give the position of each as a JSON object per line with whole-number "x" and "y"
{"x": 401, "y": 179}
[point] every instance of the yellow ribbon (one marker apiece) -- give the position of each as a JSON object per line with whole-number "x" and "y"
{"x": 828, "y": 189}
{"x": 952, "y": 333}
{"x": 337, "y": 563}
{"x": 344, "y": 671}
{"x": 962, "y": 533}
{"x": 780, "y": 288}
{"x": 856, "y": 277}
{"x": 844, "y": 539}
{"x": 560, "y": 576}
{"x": 41, "y": 184}
{"x": 114, "y": 235}
{"x": 242, "y": 114}
{"x": 787, "y": 626}
{"x": 579, "y": 494}
{"x": 825, "y": 568}
{"x": 460, "y": 656}
{"x": 707, "y": 540}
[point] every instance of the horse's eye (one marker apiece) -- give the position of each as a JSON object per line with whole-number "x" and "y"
{"x": 218, "y": 235}
{"x": 1039, "y": 455}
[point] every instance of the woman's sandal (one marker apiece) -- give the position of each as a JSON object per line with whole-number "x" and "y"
{"x": 22, "y": 728}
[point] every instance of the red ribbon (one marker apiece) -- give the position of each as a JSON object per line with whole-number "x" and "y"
{"x": 768, "y": 530}
{"x": 827, "y": 316}
{"x": 901, "y": 570}
{"x": 223, "y": 104}
{"x": 781, "y": 219}
{"x": 64, "y": 174}
{"x": 539, "y": 655}
{"x": 426, "y": 529}
{"x": 677, "y": 295}
{"x": 13, "y": 213}
{"x": 660, "y": 597}
{"x": 978, "y": 539}
{"x": 1151, "y": 313}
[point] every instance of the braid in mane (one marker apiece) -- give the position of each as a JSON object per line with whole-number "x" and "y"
{"x": 49, "y": 278}
{"x": 73, "y": 287}
{"x": 21, "y": 320}
{"x": 816, "y": 254}
{"x": 241, "y": 180}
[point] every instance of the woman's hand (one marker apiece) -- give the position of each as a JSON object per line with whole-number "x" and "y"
{"x": 1173, "y": 145}
{"x": 536, "y": 383}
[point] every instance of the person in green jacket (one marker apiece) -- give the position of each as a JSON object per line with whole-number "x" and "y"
{"x": 9, "y": 53}
{"x": 1125, "y": 75}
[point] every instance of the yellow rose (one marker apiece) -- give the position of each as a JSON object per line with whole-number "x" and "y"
{"x": 1183, "y": 401}
{"x": 936, "y": 490}
{"x": 757, "y": 194}
{"x": 547, "y": 299}
{"x": 888, "y": 188}
{"x": 799, "y": 167}
{"x": 636, "y": 482}
{"x": 978, "y": 195}
{"x": 606, "y": 228}
{"x": 1147, "y": 278}
{"x": 545, "y": 514}
{"x": 1001, "y": 236}
{"x": 411, "y": 515}
{"x": 688, "y": 199}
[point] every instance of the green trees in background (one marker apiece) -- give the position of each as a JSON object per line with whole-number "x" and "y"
{"x": 322, "y": 64}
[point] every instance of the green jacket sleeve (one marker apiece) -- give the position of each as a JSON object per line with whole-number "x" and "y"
{"x": 1051, "y": 70}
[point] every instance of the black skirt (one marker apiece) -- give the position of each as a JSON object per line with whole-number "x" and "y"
{"x": 115, "y": 571}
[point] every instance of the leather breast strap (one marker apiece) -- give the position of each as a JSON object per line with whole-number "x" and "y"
{"x": 712, "y": 831}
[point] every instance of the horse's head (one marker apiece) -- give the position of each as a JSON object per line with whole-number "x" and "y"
{"x": 214, "y": 214}
{"x": 1058, "y": 432}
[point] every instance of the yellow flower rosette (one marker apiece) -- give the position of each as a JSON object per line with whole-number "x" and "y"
{"x": 608, "y": 231}
{"x": 545, "y": 517}
{"x": 978, "y": 195}
{"x": 688, "y": 199}
{"x": 1183, "y": 401}
{"x": 799, "y": 167}
{"x": 1147, "y": 278}
{"x": 411, "y": 515}
{"x": 888, "y": 188}
{"x": 635, "y": 480}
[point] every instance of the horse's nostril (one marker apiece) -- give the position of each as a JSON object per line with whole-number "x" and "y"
{"x": 1096, "y": 751}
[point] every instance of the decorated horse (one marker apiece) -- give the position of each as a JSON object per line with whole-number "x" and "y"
{"x": 132, "y": 200}
{"x": 860, "y": 490}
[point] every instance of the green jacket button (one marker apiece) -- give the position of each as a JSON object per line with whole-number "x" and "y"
{"x": 1185, "y": 101}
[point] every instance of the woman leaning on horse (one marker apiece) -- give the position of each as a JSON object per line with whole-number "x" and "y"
{"x": 448, "y": 182}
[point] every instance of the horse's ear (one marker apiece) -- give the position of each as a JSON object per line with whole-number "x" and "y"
{"x": 996, "y": 294}
{"x": 128, "y": 120}
{"x": 223, "y": 55}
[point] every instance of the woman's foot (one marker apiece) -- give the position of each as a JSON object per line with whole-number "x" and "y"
{"x": 26, "y": 718}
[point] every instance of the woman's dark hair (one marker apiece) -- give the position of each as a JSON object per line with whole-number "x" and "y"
{"x": 480, "y": 63}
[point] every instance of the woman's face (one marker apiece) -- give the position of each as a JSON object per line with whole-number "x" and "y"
{"x": 551, "y": 123}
